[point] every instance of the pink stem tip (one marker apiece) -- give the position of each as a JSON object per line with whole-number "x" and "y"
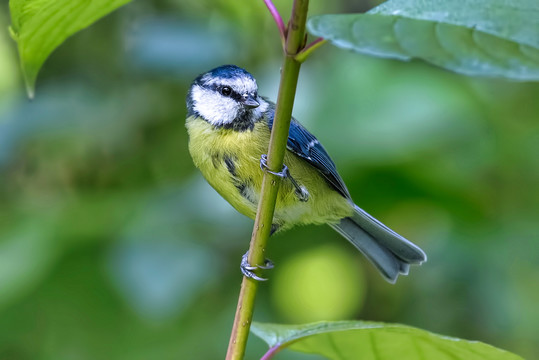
{"x": 277, "y": 17}
{"x": 272, "y": 351}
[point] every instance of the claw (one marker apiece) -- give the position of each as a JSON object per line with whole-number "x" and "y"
{"x": 247, "y": 269}
{"x": 301, "y": 192}
{"x": 268, "y": 265}
{"x": 264, "y": 166}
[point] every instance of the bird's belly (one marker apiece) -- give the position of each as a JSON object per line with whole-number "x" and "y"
{"x": 230, "y": 162}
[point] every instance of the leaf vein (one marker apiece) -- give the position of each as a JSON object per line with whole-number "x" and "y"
{"x": 335, "y": 348}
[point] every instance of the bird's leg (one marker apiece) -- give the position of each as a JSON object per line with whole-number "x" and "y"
{"x": 301, "y": 192}
{"x": 247, "y": 269}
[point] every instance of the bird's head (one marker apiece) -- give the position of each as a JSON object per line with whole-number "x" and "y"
{"x": 226, "y": 96}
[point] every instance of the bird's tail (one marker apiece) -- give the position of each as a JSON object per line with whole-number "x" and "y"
{"x": 388, "y": 251}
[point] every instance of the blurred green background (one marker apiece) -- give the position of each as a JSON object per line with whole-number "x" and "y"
{"x": 112, "y": 246}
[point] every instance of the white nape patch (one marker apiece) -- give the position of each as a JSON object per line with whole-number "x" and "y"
{"x": 214, "y": 107}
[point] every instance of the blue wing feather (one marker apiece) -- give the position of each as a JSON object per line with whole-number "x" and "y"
{"x": 305, "y": 145}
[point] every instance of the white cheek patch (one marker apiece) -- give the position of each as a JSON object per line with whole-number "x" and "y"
{"x": 213, "y": 107}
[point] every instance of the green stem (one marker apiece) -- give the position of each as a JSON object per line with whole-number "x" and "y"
{"x": 295, "y": 41}
{"x": 309, "y": 49}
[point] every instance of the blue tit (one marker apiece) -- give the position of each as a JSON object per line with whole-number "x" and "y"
{"x": 229, "y": 127}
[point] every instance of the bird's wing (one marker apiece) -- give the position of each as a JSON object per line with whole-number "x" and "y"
{"x": 305, "y": 145}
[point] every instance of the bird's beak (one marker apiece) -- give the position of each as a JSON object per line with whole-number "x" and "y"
{"x": 251, "y": 102}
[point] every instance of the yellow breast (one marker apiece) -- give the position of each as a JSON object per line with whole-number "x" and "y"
{"x": 212, "y": 148}
{"x": 230, "y": 162}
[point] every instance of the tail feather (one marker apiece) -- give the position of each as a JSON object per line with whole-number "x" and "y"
{"x": 382, "y": 258}
{"x": 388, "y": 251}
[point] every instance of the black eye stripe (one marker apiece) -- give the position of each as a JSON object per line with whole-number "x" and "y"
{"x": 234, "y": 95}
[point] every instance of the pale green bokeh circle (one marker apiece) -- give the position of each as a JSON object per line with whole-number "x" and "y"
{"x": 325, "y": 283}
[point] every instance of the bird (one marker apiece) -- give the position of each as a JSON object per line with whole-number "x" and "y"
{"x": 229, "y": 126}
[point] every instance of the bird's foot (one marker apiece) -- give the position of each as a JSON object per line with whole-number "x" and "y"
{"x": 264, "y": 166}
{"x": 248, "y": 270}
{"x": 301, "y": 192}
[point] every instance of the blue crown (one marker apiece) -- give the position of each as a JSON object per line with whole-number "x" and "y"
{"x": 229, "y": 72}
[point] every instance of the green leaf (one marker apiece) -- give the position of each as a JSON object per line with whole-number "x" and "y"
{"x": 373, "y": 341}
{"x": 40, "y": 26}
{"x": 498, "y": 38}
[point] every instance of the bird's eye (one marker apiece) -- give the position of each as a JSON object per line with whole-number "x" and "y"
{"x": 226, "y": 91}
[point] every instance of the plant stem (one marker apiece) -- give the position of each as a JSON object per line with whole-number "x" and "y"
{"x": 295, "y": 41}
{"x": 308, "y": 50}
